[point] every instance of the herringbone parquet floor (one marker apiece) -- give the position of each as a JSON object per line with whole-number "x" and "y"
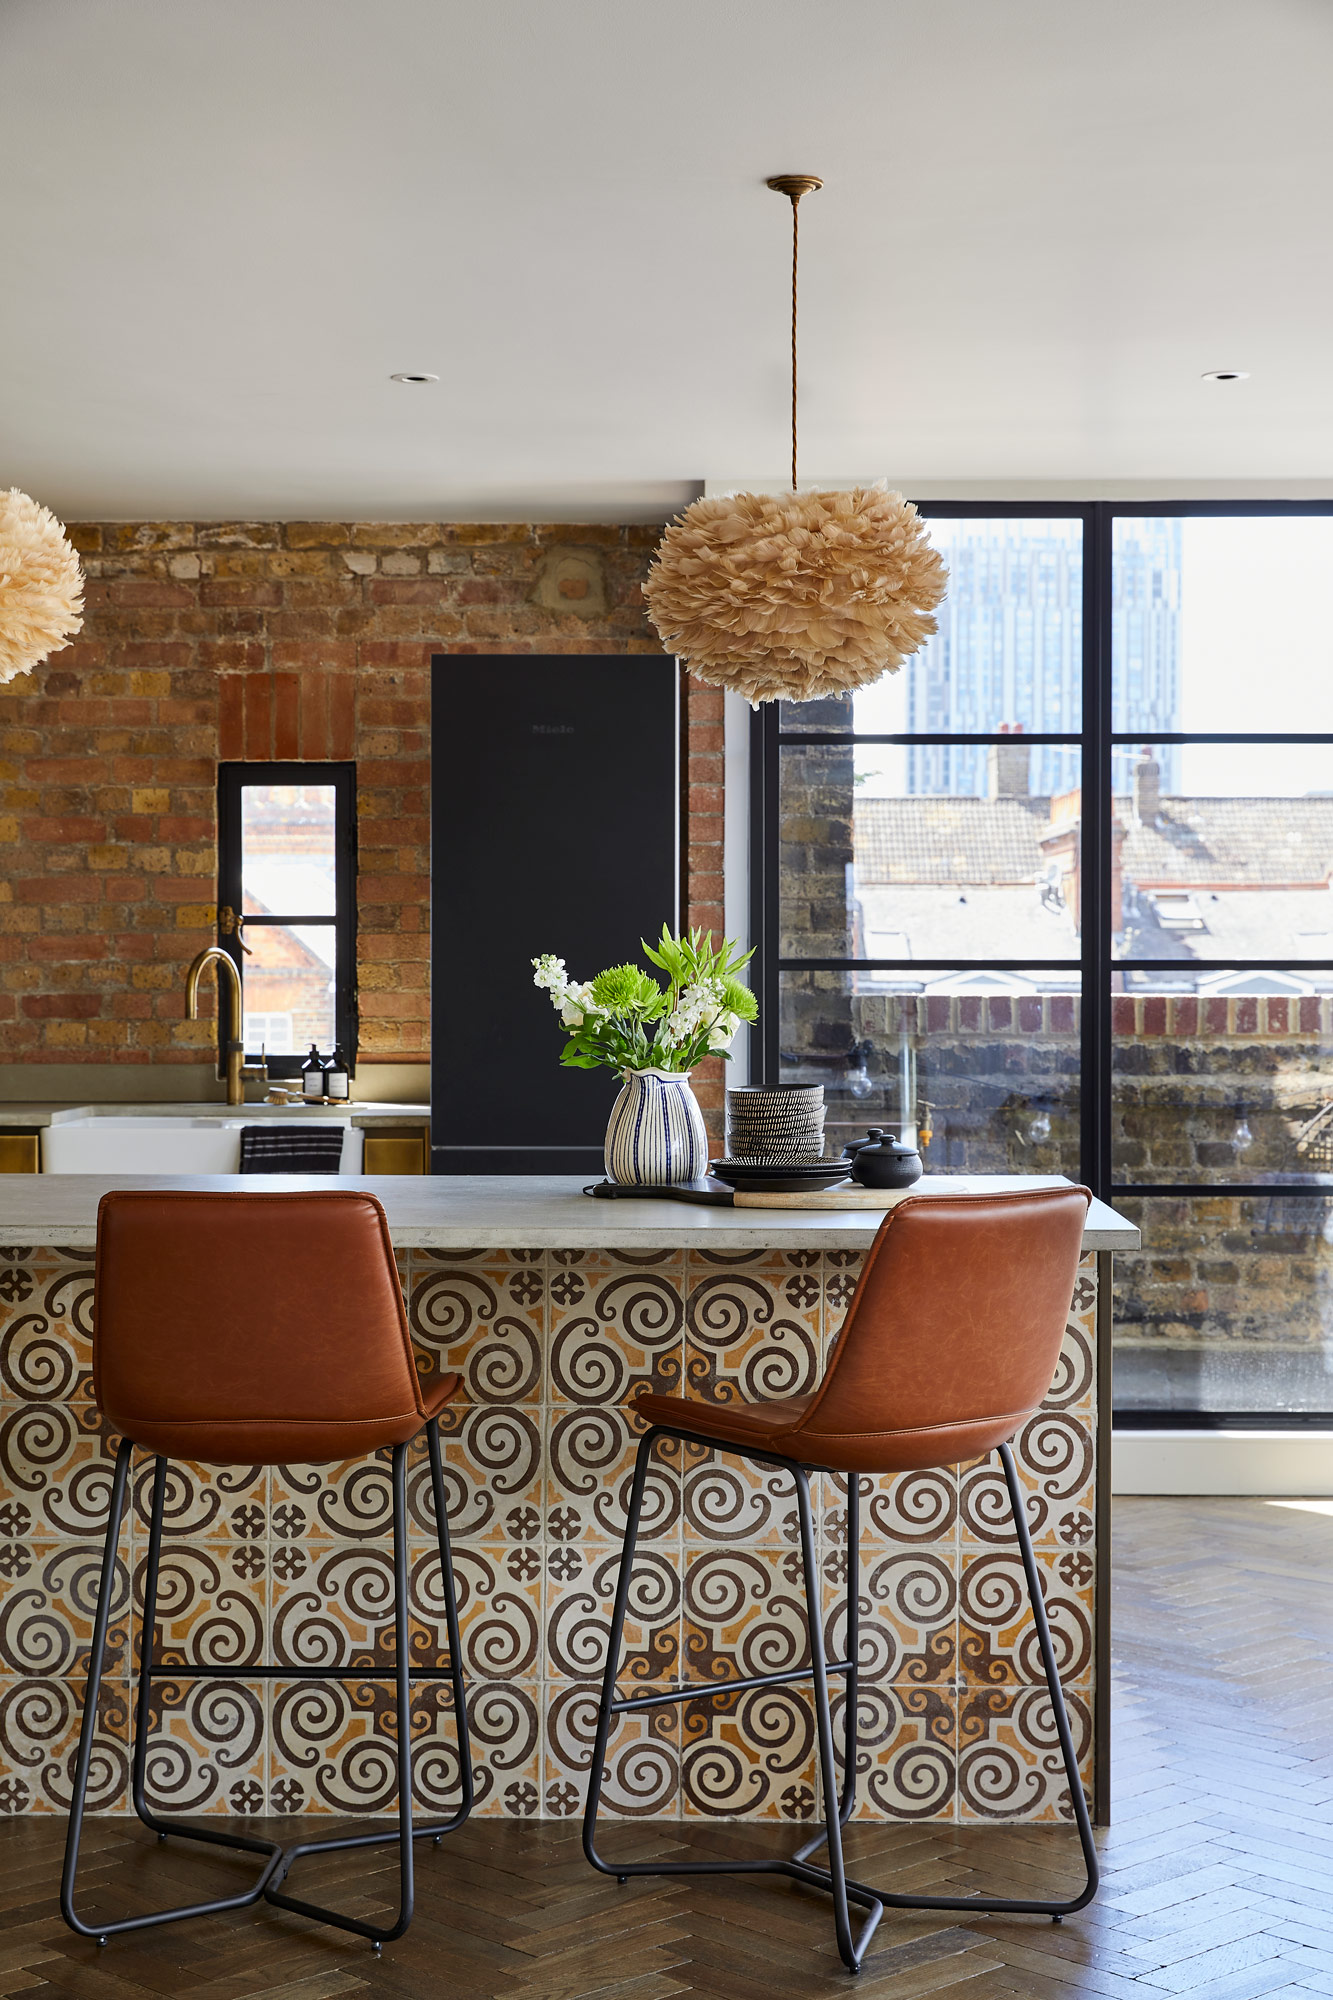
{"x": 1219, "y": 1867}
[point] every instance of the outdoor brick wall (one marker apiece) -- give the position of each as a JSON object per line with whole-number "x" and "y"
{"x": 1230, "y": 1301}
{"x": 218, "y": 640}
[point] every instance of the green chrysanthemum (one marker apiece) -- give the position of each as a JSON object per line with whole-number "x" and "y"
{"x": 739, "y": 1000}
{"x": 624, "y": 989}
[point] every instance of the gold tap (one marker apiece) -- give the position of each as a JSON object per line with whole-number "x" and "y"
{"x": 237, "y": 1076}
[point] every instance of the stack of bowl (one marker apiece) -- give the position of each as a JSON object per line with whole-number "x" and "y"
{"x": 784, "y": 1124}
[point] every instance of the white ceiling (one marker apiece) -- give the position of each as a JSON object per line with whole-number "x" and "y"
{"x": 225, "y": 222}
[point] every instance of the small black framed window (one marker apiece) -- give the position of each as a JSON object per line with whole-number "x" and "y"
{"x": 287, "y": 907}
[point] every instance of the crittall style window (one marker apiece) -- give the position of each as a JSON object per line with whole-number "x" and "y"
{"x": 287, "y": 906}
{"x": 1058, "y": 897}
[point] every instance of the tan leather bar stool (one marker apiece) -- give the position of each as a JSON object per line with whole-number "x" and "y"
{"x": 950, "y": 1344}
{"x": 258, "y": 1329}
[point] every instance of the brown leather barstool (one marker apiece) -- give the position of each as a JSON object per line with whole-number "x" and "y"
{"x": 258, "y": 1329}
{"x": 949, "y": 1345}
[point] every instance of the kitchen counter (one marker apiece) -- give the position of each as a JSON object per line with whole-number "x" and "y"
{"x": 30, "y": 1117}
{"x": 500, "y": 1211}
{"x": 555, "y": 1310}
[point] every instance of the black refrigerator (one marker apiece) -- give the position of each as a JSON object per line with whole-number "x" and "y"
{"x": 555, "y": 826}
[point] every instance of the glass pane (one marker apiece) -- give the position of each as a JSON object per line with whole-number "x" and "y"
{"x": 287, "y": 849}
{"x": 1008, "y": 652}
{"x": 1237, "y": 1086}
{"x": 289, "y": 988}
{"x": 1227, "y": 1307}
{"x": 1222, "y": 624}
{"x": 1229, "y": 858}
{"x": 874, "y": 865}
{"x": 979, "y": 1069}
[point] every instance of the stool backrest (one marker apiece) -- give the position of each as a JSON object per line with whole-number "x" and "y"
{"x": 233, "y": 1327}
{"x": 957, "y": 1320}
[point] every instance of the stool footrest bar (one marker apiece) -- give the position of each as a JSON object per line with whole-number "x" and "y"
{"x": 698, "y": 1690}
{"x": 245, "y": 1673}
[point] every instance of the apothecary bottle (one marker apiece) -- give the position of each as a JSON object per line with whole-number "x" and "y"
{"x": 312, "y": 1076}
{"x": 338, "y": 1076}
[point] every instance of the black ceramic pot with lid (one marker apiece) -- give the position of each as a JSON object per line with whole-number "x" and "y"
{"x": 881, "y": 1161}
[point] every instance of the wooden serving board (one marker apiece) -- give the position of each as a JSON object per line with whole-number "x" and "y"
{"x": 847, "y": 1194}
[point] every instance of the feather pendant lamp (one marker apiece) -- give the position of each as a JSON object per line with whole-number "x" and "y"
{"x": 795, "y": 597}
{"x": 41, "y": 585}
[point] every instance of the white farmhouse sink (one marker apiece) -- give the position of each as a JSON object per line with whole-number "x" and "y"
{"x": 169, "y": 1145}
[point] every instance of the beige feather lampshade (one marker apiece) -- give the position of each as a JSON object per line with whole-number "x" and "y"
{"x": 792, "y": 597}
{"x": 41, "y": 585}
{"x": 800, "y": 595}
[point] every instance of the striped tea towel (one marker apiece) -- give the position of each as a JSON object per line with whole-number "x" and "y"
{"x": 317, "y": 1150}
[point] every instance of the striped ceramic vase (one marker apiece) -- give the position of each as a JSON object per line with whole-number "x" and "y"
{"x": 656, "y": 1135}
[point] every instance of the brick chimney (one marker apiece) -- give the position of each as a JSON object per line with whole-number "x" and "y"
{"x": 1147, "y": 789}
{"x": 1007, "y": 766}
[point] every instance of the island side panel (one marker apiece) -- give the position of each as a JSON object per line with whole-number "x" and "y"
{"x": 292, "y": 1564}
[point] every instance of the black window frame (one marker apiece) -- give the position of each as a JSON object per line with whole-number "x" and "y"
{"x": 232, "y": 778}
{"x": 1096, "y": 740}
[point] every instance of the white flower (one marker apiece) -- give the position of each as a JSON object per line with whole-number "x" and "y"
{"x": 694, "y": 1012}
{"x": 549, "y": 973}
{"x": 723, "y": 1031}
{"x": 571, "y": 998}
{"x": 577, "y": 1004}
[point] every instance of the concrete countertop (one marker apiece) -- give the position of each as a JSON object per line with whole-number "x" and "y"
{"x": 27, "y": 1117}
{"x": 504, "y": 1211}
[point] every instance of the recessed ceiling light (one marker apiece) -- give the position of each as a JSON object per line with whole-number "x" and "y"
{"x": 1226, "y": 375}
{"x": 414, "y": 378}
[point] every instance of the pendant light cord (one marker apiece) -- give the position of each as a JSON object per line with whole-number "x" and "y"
{"x": 795, "y": 245}
{"x": 794, "y": 186}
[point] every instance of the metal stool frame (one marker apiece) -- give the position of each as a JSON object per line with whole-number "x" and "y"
{"x": 280, "y": 1858}
{"x": 838, "y": 1805}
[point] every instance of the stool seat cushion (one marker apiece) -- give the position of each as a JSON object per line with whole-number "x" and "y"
{"x": 780, "y": 1427}
{"x": 261, "y": 1440}
{"x": 730, "y": 1423}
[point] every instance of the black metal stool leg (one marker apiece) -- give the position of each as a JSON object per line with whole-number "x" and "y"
{"x": 610, "y": 1707}
{"x": 607, "y": 1708}
{"x": 270, "y": 1849}
{"x": 1076, "y": 1799}
{"x": 1023, "y": 1905}
{"x": 853, "y": 1682}
{"x": 457, "y": 1681}
{"x": 88, "y": 1729}
{"x": 377, "y": 1933}
{"x": 850, "y": 1952}
{"x": 838, "y": 1803}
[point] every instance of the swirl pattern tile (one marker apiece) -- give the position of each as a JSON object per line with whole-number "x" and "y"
{"x": 291, "y": 1564}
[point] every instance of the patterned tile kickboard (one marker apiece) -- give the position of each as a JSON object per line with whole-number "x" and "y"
{"x": 293, "y": 1564}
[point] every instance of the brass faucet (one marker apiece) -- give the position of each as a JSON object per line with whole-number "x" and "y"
{"x": 237, "y": 1076}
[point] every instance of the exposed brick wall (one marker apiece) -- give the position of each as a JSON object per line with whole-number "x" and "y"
{"x": 706, "y": 769}
{"x": 221, "y": 640}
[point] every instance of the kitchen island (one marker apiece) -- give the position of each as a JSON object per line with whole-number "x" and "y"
{"x": 556, "y": 1309}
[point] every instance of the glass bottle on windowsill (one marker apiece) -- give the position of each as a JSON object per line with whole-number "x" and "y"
{"x": 312, "y": 1077}
{"x": 338, "y": 1076}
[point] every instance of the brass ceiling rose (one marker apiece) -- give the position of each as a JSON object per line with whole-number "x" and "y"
{"x": 802, "y": 596}
{"x": 794, "y": 185}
